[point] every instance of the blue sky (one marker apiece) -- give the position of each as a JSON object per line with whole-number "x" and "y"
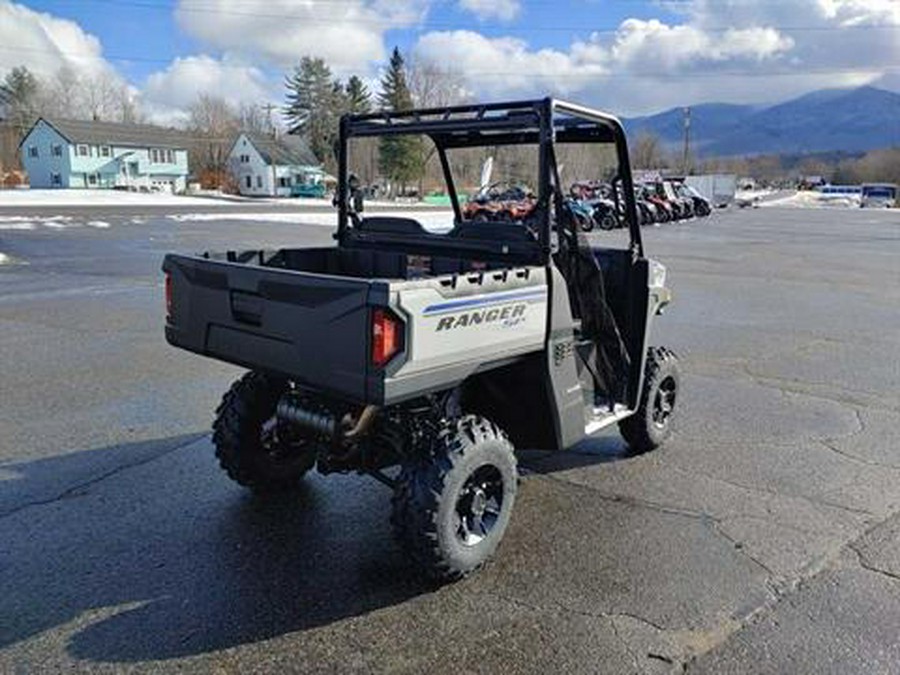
{"x": 630, "y": 56}
{"x": 147, "y": 29}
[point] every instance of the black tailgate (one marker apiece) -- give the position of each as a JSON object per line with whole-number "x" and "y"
{"x": 311, "y": 327}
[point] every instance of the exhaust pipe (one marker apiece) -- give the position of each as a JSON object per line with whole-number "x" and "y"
{"x": 324, "y": 423}
{"x": 320, "y": 423}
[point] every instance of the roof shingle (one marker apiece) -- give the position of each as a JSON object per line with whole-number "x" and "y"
{"x": 285, "y": 150}
{"x": 118, "y": 133}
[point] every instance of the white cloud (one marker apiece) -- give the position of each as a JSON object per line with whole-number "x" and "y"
{"x": 506, "y": 66}
{"x": 349, "y": 34}
{"x": 168, "y": 93}
{"x": 505, "y": 10}
{"x": 45, "y": 43}
{"x": 722, "y": 50}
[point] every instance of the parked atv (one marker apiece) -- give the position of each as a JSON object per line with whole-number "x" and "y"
{"x": 501, "y": 202}
{"x": 702, "y": 206}
{"x": 424, "y": 359}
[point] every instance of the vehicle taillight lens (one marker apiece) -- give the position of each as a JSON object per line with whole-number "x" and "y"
{"x": 168, "y": 295}
{"x": 387, "y": 336}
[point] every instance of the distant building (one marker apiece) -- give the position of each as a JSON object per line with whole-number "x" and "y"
{"x": 88, "y": 154}
{"x": 267, "y": 166}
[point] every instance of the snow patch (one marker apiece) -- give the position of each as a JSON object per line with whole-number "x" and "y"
{"x": 809, "y": 199}
{"x": 101, "y": 198}
{"x": 100, "y": 224}
{"x": 17, "y": 225}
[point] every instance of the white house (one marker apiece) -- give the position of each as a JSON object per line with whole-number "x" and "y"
{"x": 89, "y": 154}
{"x": 267, "y": 166}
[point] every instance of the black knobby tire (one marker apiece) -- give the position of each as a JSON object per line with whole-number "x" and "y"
{"x": 585, "y": 222}
{"x": 471, "y": 467}
{"x": 246, "y": 441}
{"x": 649, "y": 427}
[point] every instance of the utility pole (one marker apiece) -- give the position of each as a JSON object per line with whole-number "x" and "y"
{"x": 687, "y": 140}
{"x": 268, "y": 108}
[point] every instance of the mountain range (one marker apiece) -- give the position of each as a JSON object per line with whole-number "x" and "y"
{"x": 829, "y": 120}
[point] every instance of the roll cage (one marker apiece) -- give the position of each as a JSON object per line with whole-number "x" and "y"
{"x": 542, "y": 122}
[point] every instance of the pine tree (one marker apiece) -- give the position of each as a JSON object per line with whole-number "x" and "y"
{"x": 359, "y": 100}
{"x": 314, "y": 103}
{"x": 19, "y": 93}
{"x": 400, "y": 157}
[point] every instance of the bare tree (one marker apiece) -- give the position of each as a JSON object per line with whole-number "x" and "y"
{"x": 255, "y": 118}
{"x": 435, "y": 85}
{"x": 215, "y": 124}
{"x": 647, "y": 152}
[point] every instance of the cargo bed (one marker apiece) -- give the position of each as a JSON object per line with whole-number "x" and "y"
{"x": 306, "y": 314}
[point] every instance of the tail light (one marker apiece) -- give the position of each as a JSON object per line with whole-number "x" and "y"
{"x": 387, "y": 336}
{"x": 168, "y": 296}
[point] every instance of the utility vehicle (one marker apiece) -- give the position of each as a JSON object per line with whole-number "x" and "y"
{"x": 423, "y": 357}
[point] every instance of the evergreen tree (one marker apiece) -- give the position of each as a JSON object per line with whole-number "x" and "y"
{"x": 400, "y": 157}
{"x": 314, "y": 103}
{"x": 19, "y": 93}
{"x": 359, "y": 100}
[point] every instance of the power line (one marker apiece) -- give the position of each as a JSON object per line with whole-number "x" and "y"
{"x": 543, "y": 28}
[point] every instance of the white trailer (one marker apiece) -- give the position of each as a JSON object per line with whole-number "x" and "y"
{"x": 718, "y": 188}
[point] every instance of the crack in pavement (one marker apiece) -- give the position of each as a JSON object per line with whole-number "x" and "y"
{"x": 772, "y": 493}
{"x": 606, "y": 616}
{"x": 869, "y": 566}
{"x": 740, "y": 367}
{"x": 71, "y": 490}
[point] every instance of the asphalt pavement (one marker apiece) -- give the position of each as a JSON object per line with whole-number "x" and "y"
{"x": 763, "y": 538}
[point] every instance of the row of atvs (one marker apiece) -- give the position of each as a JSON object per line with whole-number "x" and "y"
{"x": 593, "y": 204}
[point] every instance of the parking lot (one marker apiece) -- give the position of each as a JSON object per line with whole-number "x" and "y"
{"x": 763, "y": 537}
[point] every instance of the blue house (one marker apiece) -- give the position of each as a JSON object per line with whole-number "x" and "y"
{"x": 90, "y": 154}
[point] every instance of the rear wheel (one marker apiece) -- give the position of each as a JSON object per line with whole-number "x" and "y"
{"x": 652, "y": 423}
{"x": 250, "y": 447}
{"x": 450, "y": 510}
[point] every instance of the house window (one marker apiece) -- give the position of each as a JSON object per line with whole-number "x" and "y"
{"x": 32, "y": 151}
{"x": 84, "y": 151}
{"x": 55, "y": 179}
{"x": 249, "y": 181}
{"x": 284, "y": 182}
{"x": 92, "y": 179}
{"x": 105, "y": 151}
{"x": 259, "y": 181}
{"x": 154, "y": 157}
{"x": 57, "y": 150}
{"x": 170, "y": 157}
{"x": 245, "y": 159}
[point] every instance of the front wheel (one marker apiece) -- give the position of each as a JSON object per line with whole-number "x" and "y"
{"x": 651, "y": 424}
{"x": 450, "y": 509}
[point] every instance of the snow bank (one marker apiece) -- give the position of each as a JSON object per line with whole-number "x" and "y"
{"x": 100, "y": 198}
{"x": 810, "y": 199}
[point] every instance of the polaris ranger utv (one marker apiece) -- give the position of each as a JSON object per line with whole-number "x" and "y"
{"x": 424, "y": 356}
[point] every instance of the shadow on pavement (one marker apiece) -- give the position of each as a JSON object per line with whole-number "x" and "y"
{"x": 180, "y": 562}
{"x": 590, "y": 452}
